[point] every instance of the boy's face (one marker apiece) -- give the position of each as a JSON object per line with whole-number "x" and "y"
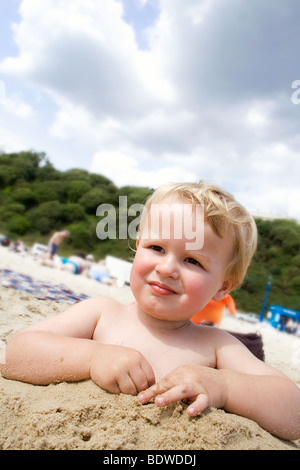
{"x": 168, "y": 279}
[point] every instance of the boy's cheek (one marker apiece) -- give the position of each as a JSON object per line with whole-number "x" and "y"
{"x": 198, "y": 297}
{"x": 142, "y": 264}
{"x": 137, "y": 275}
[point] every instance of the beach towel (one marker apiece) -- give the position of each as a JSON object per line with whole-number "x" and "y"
{"x": 40, "y": 289}
{"x": 253, "y": 341}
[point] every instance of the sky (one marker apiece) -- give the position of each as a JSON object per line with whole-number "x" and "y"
{"x": 151, "y": 91}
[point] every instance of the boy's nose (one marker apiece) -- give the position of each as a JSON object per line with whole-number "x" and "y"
{"x": 168, "y": 267}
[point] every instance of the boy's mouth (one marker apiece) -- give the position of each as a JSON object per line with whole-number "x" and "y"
{"x": 161, "y": 289}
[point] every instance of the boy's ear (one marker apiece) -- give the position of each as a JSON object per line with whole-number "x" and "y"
{"x": 137, "y": 242}
{"x": 222, "y": 292}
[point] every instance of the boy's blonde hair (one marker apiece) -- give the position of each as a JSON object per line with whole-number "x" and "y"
{"x": 224, "y": 215}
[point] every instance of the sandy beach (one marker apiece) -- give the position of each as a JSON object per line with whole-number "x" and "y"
{"x": 82, "y": 416}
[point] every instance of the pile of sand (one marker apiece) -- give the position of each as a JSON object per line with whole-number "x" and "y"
{"x": 82, "y": 416}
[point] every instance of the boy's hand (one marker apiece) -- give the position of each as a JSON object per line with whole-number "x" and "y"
{"x": 204, "y": 386}
{"x": 119, "y": 369}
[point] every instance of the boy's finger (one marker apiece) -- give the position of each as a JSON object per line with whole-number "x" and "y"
{"x": 176, "y": 393}
{"x": 140, "y": 379}
{"x": 152, "y": 392}
{"x": 127, "y": 385}
{"x": 199, "y": 405}
{"x": 149, "y": 373}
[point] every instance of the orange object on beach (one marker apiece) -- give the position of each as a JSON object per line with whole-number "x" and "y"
{"x": 213, "y": 311}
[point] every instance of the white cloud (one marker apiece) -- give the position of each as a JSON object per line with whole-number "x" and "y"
{"x": 256, "y": 118}
{"x": 210, "y": 98}
{"x": 124, "y": 170}
{"x": 85, "y": 52}
{"x": 142, "y": 3}
{"x": 197, "y": 11}
{"x": 17, "y": 107}
{"x": 71, "y": 120}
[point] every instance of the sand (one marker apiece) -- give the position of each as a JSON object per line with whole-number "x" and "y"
{"x": 82, "y": 416}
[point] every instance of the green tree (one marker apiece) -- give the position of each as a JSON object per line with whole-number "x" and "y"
{"x": 48, "y": 173}
{"x": 10, "y": 210}
{"x": 24, "y": 196}
{"x": 19, "y": 225}
{"x": 100, "y": 180}
{"x": 135, "y": 194}
{"x": 20, "y": 166}
{"x": 93, "y": 198}
{"x": 52, "y": 190}
{"x": 76, "y": 174}
{"x": 82, "y": 238}
{"x": 53, "y": 211}
{"x": 75, "y": 189}
{"x": 73, "y": 212}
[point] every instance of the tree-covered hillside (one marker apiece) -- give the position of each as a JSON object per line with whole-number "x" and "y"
{"x": 277, "y": 259}
{"x": 36, "y": 199}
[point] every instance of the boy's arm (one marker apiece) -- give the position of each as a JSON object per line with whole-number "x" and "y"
{"x": 258, "y": 391}
{"x": 273, "y": 401}
{"x": 62, "y": 349}
{"x": 243, "y": 385}
{"x": 56, "y": 348}
{"x": 41, "y": 358}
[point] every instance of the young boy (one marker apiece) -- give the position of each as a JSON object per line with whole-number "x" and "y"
{"x": 150, "y": 347}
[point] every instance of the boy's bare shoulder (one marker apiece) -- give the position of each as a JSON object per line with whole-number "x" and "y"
{"x": 100, "y": 302}
{"x": 216, "y": 335}
{"x": 223, "y": 337}
{"x": 93, "y": 307}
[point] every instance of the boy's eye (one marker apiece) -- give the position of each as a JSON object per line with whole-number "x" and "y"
{"x": 193, "y": 261}
{"x": 157, "y": 248}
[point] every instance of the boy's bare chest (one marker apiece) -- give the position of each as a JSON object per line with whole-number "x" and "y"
{"x": 163, "y": 352}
